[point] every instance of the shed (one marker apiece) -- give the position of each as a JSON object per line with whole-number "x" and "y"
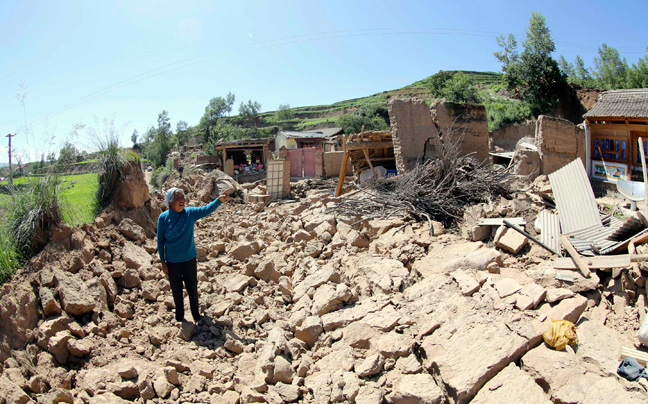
{"x": 235, "y": 158}
{"x": 306, "y": 139}
{"x": 612, "y": 129}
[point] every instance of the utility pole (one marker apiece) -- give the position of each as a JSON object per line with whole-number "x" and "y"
{"x": 10, "y": 181}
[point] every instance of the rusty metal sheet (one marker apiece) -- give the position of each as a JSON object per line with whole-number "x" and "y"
{"x": 574, "y": 197}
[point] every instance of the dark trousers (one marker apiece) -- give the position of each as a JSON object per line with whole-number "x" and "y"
{"x": 187, "y": 272}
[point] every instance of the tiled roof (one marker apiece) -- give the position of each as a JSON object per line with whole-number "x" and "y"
{"x": 317, "y": 133}
{"x": 631, "y": 103}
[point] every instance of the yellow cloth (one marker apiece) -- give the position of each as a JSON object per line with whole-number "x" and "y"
{"x": 560, "y": 333}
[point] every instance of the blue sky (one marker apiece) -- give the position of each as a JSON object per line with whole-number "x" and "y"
{"x": 85, "y": 61}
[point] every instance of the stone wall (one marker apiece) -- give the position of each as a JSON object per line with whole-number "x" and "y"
{"x": 506, "y": 136}
{"x": 559, "y": 142}
{"x": 333, "y": 164}
{"x": 412, "y": 128}
{"x": 467, "y": 119}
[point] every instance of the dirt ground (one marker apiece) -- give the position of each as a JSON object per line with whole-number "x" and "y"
{"x": 302, "y": 304}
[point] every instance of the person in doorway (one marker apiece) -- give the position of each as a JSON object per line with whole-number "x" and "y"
{"x": 177, "y": 249}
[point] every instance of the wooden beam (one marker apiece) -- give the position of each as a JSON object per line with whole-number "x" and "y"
{"x": 369, "y": 145}
{"x": 597, "y": 262}
{"x": 574, "y": 254}
{"x": 643, "y": 169}
{"x": 345, "y": 161}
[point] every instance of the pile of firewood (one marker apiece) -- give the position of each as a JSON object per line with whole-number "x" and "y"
{"x": 438, "y": 189}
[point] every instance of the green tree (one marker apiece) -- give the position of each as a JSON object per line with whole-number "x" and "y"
{"x": 67, "y": 155}
{"x": 217, "y": 108}
{"x": 284, "y": 112}
{"x": 566, "y": 67}
{"x": 162, "y": 140}
{"x": 182, "y": 132}
{"x": 509, "y": 58}
{"x": 581, "y": 72}
{"x": 250, "y": 109}
{"x": 610, "y": 69}
{"x": 637, "y": 76}
{"x": 536, "y": 74}
{"x": 134, "y": 137}
{"x": 460, "y": 89}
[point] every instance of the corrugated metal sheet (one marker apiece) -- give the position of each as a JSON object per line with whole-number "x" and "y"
{"x": 630, "y": 228}
{"x": 597, "y": 236}
{"x": 550, "y": 235}
{"x": 574, "y": 197}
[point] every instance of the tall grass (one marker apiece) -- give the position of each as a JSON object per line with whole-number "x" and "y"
{"x": 110, "y": 164}
{"x": 33, "y": 210}
{"x": 10, "y": 260}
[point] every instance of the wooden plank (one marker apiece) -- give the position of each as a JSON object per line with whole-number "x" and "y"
{"x": 369, "y": 145}
{"x": 640, "y": 356}
{"x": 574, "y": 254}
{"x": 499, "y": 221}
{"x": 345, "y": 162}
{"x": 643, "y": 169}
{"x": 598, "y": 262}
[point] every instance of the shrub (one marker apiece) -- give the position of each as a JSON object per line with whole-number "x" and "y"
{"x": 460, "y": 89}
{"x": 354, "y": 123}
{"x": 500, "y": 110}
{"x": 160, "y": 174}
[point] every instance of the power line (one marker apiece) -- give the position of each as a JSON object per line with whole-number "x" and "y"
{"x": 350, "y": 33}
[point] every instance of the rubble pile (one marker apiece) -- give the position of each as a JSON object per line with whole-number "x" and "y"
{"x": 306, "y": 306}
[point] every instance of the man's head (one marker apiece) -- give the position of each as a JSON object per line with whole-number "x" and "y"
{"x": 175, "y": 199}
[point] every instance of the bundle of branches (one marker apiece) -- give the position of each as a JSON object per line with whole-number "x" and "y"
{"x": 439, "y": 189}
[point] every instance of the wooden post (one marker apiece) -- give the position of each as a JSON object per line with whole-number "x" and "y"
{"x": 345, "y": 161}
{"x": 366, "y": 154}
{"x": 643, "y": 168}
{"x": 574, "y": 255}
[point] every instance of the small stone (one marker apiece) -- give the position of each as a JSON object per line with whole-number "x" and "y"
{"x": 555, "y": 294}
{"x": 370, "y": 366}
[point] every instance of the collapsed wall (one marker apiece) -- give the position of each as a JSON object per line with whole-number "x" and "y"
{"x": 506, "y": 136}
{"x": 467, "y": 120}
{"x": 333, "y": 164}
{"x": 412, "y": 129}
{"x": 416, "y": 127}
{"x": 559, "y": 143}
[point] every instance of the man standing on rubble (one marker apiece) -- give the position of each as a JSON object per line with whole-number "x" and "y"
{"x": 177, "y": 249}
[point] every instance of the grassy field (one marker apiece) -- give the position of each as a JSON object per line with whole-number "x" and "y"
{"x": 76, "y": 197}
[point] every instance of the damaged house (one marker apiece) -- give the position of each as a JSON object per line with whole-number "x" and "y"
{"x": 613, "y": 128}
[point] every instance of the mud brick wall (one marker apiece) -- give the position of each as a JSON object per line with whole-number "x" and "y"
{"x": 319, "y": 161}
{"x": 559, "y": 142}
{"x": 333, "y": 164}
{"x": 467, "y": 119}
{"x": 412, "y": 129}
{"x": 286, "y": 180}
{"x": 506, "y": 136}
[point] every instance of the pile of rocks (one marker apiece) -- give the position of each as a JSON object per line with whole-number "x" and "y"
{"x": 304, "y": 306}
